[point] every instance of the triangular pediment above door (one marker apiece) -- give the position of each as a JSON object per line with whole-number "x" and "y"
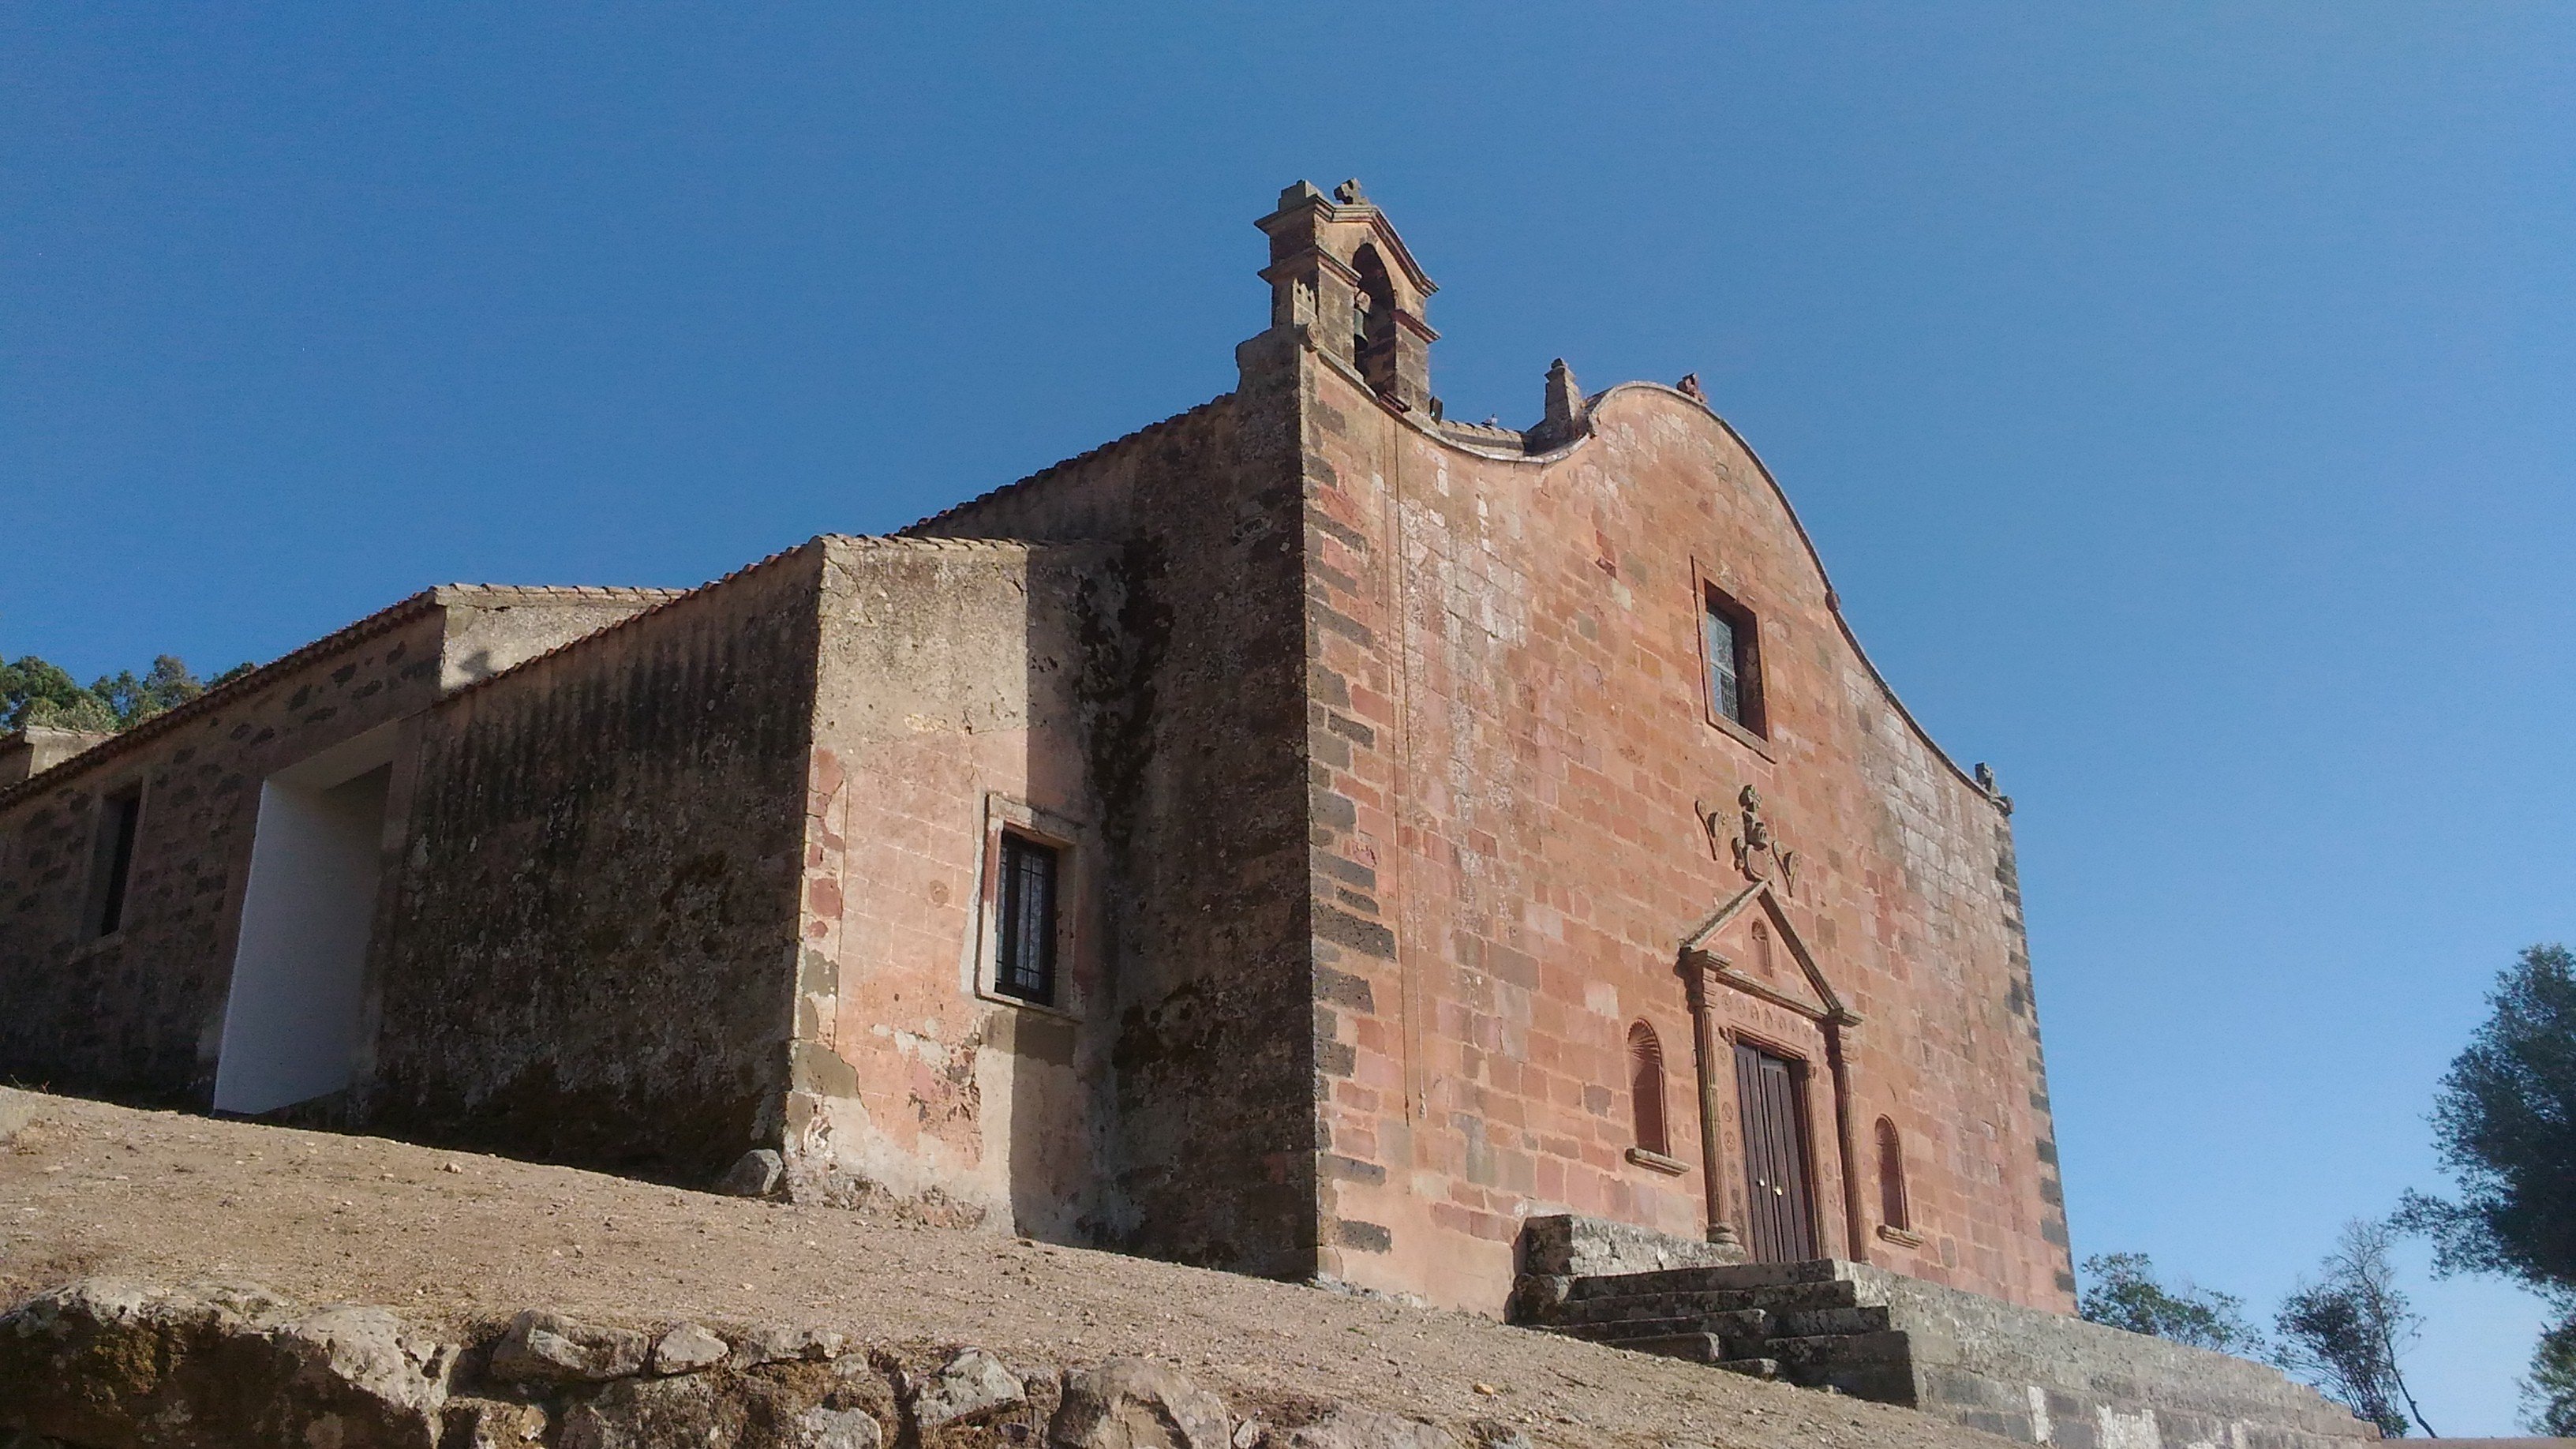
{"x": 1750, "y": 944}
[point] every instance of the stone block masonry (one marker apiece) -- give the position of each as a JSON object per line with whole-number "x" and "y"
{"x": 2027, "y": 1375}
{"x": 964, "y": 689}
{"x": 1526, "y": 817}
{"x": 1409, "y": 830}
{"x": 587, "y": 951}
{"x": 1193, "y": 708}
{"x": 137, "y": 1012}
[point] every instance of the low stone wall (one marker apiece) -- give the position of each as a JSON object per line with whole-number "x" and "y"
{"x": 234, "y": 1366}
{"x": 1571, "y": 1246}
{"x": 2045, "y": 1379}
{"x": 2023, "y": 1373}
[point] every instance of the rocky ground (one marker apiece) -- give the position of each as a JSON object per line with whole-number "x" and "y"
{"x": 458, "y": 1245}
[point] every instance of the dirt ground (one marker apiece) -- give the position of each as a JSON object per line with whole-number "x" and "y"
{"x": 451, "y": 1239}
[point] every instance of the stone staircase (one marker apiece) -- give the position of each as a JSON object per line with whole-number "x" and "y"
{"x": 2025, "y": 1373}
{"x": 1816, "y": 1324}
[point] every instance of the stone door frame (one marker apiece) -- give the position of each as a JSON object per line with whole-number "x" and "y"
{"x": 1728, "y": 1005}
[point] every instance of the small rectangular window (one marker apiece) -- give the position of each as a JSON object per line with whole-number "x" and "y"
{"x": 112, "y": 859}
{"x": 1734, "y": 661}
{"x": 1024, "y": 965}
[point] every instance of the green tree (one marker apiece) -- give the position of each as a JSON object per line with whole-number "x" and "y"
{"x": 84, "y": 712}
{"x": 2505, "y": 1126}
{"x": 2124, "y": 1293}
{"x": 166, "y": 685}
{"x": 34, "y": 692}
{"x": 2549, "y": 1395}
{"x": 2345, "y": 1332}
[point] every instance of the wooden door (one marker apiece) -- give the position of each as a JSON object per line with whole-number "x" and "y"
{"x": 1773, "y": 1106}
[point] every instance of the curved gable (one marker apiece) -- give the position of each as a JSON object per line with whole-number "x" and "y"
{"x": 1655, "y": 400}
{"x": 1521, "y": 714}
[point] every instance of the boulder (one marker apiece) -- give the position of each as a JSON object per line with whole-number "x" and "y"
{"x": 756, "y": 1173}
{"x": 972, "y": 1382}
{"x": 17, "y": 1110}
{"x": 838, "y": 1429}
{"x": 773, "y": 1343}
{"x": 1348, "y": 1426}
{"x": 544, "y": 1347}
{"x": 688, "y": 1348}
{"x": 1134, "y": 1403}
{"x": 492, "y": 1424}
{"x": 116, "y": 1365}
{"x": 366, "y": 1352}
{"x": 655, "y": 1414}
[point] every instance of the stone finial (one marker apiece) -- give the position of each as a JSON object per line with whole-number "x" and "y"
{"x": 1349, "y": 193}
{"x": 1564, "y": 396}
{"x": 1689, "y": 387}
{"x": 1566, "y": 415}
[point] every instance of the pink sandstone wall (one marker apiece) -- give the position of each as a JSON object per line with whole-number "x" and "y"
{"x": 1197, "y": 754}
{"x": 1512, "y": 751}
{"x": 950, "y": 702}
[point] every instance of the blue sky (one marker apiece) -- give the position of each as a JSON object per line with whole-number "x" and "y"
{"x": 2179, "y": 394}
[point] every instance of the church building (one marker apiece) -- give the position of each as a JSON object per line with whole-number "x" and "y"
{"x": 1310, "y": 836}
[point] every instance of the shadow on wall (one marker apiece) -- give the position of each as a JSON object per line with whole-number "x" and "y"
{"x": 1048, "y": 918}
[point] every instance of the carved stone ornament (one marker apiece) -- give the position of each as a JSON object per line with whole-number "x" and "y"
{"x": 1756, "y": 853}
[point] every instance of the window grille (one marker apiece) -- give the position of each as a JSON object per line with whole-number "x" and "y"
{"x": 1734, "y": 669}
{"x": 1726, "y": 686}
{"x": 1024, "y": 966}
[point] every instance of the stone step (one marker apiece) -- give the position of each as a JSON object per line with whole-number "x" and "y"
{"x": 1752, "y": 1368}
{"x": 1581, "y": 1307}
{"x": 1696, "y": 1347}
{"x": 1742, "y": 1277}
{"x": 1822, "y": 1322}
{"x": 1747, "y": 1323}
{"x": 1881, "y": 1381}
{"x": 1891, "y": 1345}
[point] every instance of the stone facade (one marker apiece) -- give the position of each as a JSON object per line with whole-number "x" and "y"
{"x": 1407, "y": 879}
